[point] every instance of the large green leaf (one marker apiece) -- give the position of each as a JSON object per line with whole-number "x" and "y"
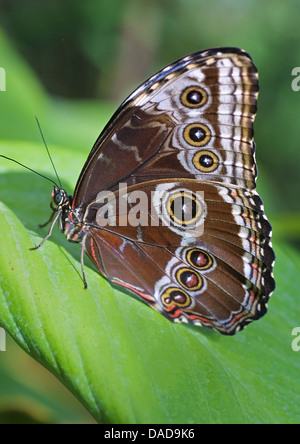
{"x": 30, "y": 394}
{"x": 124, "y": 361}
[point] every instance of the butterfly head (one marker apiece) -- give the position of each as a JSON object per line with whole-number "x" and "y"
{"x": 59, "y": 199}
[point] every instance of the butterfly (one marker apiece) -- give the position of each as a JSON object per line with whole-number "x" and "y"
{"x": 199, "y": 250}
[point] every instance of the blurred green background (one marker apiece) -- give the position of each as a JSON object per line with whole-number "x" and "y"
{"x": 72, "y": 62}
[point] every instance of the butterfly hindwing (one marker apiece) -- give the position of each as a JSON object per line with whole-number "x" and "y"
{"x": 231, "y": 284}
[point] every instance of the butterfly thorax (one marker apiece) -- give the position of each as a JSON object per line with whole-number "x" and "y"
{"x": 73, "y": 228}
{"x": 70, "y": 220}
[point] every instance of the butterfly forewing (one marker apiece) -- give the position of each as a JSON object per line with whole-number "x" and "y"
{"x": 157, "y": 132}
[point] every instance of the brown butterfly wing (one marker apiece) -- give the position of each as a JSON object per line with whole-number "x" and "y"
{"x": 221, "y": 278}
{"x": 149, "y": 137}
{"x": 188, "y": 127}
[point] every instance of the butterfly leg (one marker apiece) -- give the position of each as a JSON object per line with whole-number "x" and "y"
{"x": 82, "y": 264}
{"x": 49, "y": 233}
{"x": 48, "y": 221}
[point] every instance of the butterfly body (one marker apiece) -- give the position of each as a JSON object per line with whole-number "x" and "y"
{"x": 183, "y": 140}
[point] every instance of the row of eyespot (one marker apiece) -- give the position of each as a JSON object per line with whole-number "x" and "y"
{"x": 188, "y": 279}
{"x": 197, "y": 134}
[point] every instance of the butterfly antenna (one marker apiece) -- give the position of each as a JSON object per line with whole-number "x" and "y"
{"x": 48, "y": 152}
{"x": 30, "y": 169}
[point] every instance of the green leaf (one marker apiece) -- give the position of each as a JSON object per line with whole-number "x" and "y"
{"x": 128, "y": 364}
{"x": 125, "y": 362}
{"x": 29, "y": 393}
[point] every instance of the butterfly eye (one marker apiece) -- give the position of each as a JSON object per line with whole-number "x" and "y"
{"x": 206, "y": 161}
{"x": 199, "y": 259}
{"x": 189, "y": 279}
{"x": 175, "y": 296}
{"x": 193, "y": 97}
{"x": 196, "y": 134}
{"x": 184, "y": 209}
{"x": 57, "y": 199}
